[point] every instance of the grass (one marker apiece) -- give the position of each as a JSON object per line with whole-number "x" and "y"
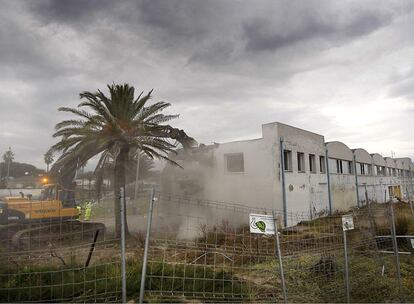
{"x": 306, "y": 283}
{"x": 102, "y": 283}
{"x": 182, "y": 283}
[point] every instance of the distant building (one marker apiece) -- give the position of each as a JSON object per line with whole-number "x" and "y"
{"x": 24, "y": 182}
{"x": 319, "y": 176}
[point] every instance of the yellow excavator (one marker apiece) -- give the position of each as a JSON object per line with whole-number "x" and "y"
{"x": 51, "y": 218}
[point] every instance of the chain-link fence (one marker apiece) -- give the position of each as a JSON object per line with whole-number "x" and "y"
{"x": 204, "y": 250}
{"x": 200, "y": 250}
{"x": 54, "y": 251}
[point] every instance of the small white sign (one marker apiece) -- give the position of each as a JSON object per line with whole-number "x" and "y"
{"x": 412, "y": 243}
{"x": 262, "y": 223}
{"x": 347, "y": 222}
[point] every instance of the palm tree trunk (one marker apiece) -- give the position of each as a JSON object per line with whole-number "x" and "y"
{"x": 119, "y": 181}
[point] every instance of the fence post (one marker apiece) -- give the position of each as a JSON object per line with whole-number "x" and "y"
{"x": 366, "y": 194}
{"x": 282, "y": 174}
{"x": 395, "y": 247}
{"x": 147, "y": 239}
{"x": 279, "y": 255}
{"x": 348, "y": 294}
{"x": 328, "y": 180}
{"x": 356, "y": 178}
{"x": 123, "y": 266}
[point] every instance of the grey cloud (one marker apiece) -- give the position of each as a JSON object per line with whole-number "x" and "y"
{"x": 177, "y": 18}
{"x": 404, "y": 89}
{"x": 27, "y": 53}
{"x": 70, "y": 11}
{"x": 215, "y": 53}
{"x": 268, "y": 35}
{"x": 402, "y": 85}
{"x": 262, "y": 35}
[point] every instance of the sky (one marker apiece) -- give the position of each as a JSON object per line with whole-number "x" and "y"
{"x": 343, "y": 69}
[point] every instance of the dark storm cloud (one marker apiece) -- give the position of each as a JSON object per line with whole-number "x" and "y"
{"x": 70, "y": 11}
{"x": 178, "y": 19}
{"x": 267, "y": 35}
{"x": 226, "y": 66}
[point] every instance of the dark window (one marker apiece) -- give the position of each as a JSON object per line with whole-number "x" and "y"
{"x": 287, "y": 159}
{"x": 350, "y": 167}
{"x": 322, "y": 164}
{"x": 380, "y": 170}
{"x": 312, "y": 166}
{"x": 235, "y": 162}
{"x": 362, "y": 166}
{"x": 301, "y": 162}
{"x": 339, "y": 169}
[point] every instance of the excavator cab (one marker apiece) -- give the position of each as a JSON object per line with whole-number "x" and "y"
{"x": 48, "y": 192}
{"x": 52, "y": 192}
{"x": 54, "y": 217}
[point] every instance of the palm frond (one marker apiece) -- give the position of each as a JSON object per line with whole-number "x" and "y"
{"x": 161, "y": 118}
{"x": 70, "y": 122}
{"x": 78, "y": 112}
{"x": 152, "y": 109}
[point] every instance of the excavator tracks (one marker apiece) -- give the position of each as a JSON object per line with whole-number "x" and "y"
{"x": 41, "y": 235}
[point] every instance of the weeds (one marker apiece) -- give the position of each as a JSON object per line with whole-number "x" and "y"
{"x": 78, "y": 284}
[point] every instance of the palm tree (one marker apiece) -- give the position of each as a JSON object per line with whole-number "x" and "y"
{"x": 8, "y": 158}
{"x": 48, "y": 157}
{"x": 114, "y": 126}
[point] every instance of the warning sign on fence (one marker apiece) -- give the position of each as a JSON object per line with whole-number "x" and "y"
{"x": 347, "y": 222}
{"x": 261, "y": 223}
{"x": 412, "y": 243}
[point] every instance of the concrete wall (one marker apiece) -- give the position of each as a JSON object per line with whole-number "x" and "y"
{"x": 306, "y": 191}
{"x": 343, "y": 185}
{"x": 255, "y": 186}
{"x": 378, "y": 184}
{"x": 405, "y": 180}
{"x": 364, "y": 175}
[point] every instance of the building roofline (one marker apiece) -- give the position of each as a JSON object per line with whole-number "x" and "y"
{"x": 286, "y": 125}
{"x": 239, "y": 141}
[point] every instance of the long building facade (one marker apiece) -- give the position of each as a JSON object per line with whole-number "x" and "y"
{"x": 289, "y": 169}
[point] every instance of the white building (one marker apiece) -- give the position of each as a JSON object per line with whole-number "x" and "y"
{"x": 318, "y": 177}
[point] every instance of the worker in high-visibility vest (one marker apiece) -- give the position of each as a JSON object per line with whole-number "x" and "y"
{"x": 79, "y": 210}
{"x": 88, "y": 211}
